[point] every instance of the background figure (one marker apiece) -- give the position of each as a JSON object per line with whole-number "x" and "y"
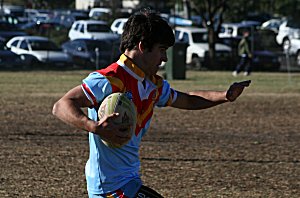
{"x": 245, "y": 55}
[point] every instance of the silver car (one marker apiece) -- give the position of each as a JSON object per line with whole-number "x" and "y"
{"x": 39, "y": 51}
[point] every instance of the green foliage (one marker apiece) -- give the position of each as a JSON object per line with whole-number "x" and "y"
{"x": 42, "y": 4}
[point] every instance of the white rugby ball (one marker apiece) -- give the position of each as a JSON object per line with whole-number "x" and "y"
{"x": 119, "y": 103}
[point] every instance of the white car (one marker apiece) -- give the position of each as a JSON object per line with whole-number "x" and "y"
{"x": 91, "y": 29}
{"x": 40, "y": 50}
{"x": 294, "y": 50}
{"x": 197, "y": 50}
{"x": 99, "y": 13}
{"x": 289, "y": 29}
{"x": 272, "y": 24}
{"x": 117, "y": 25}
{"x": 235, "y": 30}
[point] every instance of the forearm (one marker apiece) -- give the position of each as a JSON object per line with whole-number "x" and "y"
{"x": 213, "y": 96}
{"x": 206, "y": 99}
{"x": 70, "y": 112}
{"x": 200, "y": 99}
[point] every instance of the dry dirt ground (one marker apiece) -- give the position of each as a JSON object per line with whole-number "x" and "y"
{"x": 250, "y": 148}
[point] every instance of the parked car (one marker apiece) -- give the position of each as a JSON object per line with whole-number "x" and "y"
{"x": 294, "y": 50}
{"x": 176, "y": 20}
{"x": 68, "y": 18}
{"x": 91, "y": 29}
{"x": 288, "y": 30}
{"x": 272, "y": 24}
{"x": 117, "y": 25}
{"x": 197, "y": 50}
{"x": 84, "y": 52}
{"x": 229, "y": 30}
{"x": 8, "y": 30}
{"x": 41, "y": 51}
{"x": 9, "y": 59}
{"x": 100, "y": 13}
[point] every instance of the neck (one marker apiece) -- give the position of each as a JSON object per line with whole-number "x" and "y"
{"x": 136, "y": 58}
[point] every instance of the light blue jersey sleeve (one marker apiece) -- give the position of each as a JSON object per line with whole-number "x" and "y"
{"x": 96, "y": 87}
{"x": 168, "y": 95}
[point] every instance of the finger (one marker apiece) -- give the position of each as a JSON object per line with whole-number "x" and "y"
{"x": 245, "y": 83}
{"x": 113, "y": 115}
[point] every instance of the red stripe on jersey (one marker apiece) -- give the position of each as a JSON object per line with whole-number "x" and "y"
{"x": 121, "y": 194}
{"x": 89, "y": 92}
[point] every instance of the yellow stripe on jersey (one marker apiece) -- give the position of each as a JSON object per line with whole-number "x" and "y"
{"x": 142, "y": 117}
{"x": 115, "y": 82}
{"x": 131, "y": 66}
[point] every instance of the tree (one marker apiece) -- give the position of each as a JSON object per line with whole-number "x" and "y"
{"x": 211, "y": 12}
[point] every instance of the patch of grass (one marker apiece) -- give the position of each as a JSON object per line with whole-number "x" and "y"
{"x": 57, "y": 82}
{"x": 262, "y": 82}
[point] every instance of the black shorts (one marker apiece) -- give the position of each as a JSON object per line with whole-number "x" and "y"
{"x": 146, "y": 192}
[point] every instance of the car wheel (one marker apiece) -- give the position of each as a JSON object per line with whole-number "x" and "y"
{"x": 29, "y": 62}
{"x": 196, "y": 63}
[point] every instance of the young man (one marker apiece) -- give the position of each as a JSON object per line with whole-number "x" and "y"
{"x": 245, "y": 55}
{"x": 114, "y": 172}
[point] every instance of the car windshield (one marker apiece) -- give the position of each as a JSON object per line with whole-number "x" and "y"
{"x": 101, "y": 45}
{"x": 98, "y": 28}
{"x": 293, "y": 24}
{"x": 43, "y": 45}
{"x": 200, "y": 37}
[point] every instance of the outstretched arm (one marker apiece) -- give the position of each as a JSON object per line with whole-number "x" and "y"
{"x": 206, "y": 99}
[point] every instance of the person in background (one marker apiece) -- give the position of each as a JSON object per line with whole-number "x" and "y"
{"x": 115, "y": 172}
{"x": 245, "y": 55}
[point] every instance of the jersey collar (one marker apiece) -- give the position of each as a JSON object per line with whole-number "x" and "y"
{"x": 133, "y": 68}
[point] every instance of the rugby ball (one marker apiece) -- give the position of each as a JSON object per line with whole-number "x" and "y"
{"x": 119, "y": 103}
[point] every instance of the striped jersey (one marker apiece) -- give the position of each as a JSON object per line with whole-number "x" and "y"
{"x": 108, "y": 169}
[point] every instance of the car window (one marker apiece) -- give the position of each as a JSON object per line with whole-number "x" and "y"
{"x": 24, "y": 45}
{"x": 200, "y": 37}
{"x": 177, "y": 33}
{"x": 98, "y": 28}
{"x": 117, "y": 24}
{"x": 43, "y": 45}
{"x": 81, "y": 28}
{"x": 293, "y": 24}
{"x": 185, "y": 38}
{"x": 15, "y": 43}
{"x": 76, "y": 27}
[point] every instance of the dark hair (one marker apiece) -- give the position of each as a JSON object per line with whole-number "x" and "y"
{"x": 147, "y": 27}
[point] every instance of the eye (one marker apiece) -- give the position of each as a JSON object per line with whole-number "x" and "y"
{"x": 163, "y": 49}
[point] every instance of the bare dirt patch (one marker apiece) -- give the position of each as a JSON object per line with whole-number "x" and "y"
{"x": 246, "y": 149}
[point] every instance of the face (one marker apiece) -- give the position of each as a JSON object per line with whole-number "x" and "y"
{"x": 154, "y": 58}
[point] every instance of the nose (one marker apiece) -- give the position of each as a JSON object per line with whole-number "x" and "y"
{"x": 164, "y": 57}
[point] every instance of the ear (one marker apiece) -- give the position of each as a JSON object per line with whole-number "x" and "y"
{"x": 141, "y": 47}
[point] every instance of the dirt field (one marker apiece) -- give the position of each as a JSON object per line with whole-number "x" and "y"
{"x": 250, "y": 148}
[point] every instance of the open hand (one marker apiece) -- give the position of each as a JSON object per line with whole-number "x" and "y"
{"x": 236, "y": 89}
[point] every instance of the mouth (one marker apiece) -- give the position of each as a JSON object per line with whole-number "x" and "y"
{"x": 162, "y": 64}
